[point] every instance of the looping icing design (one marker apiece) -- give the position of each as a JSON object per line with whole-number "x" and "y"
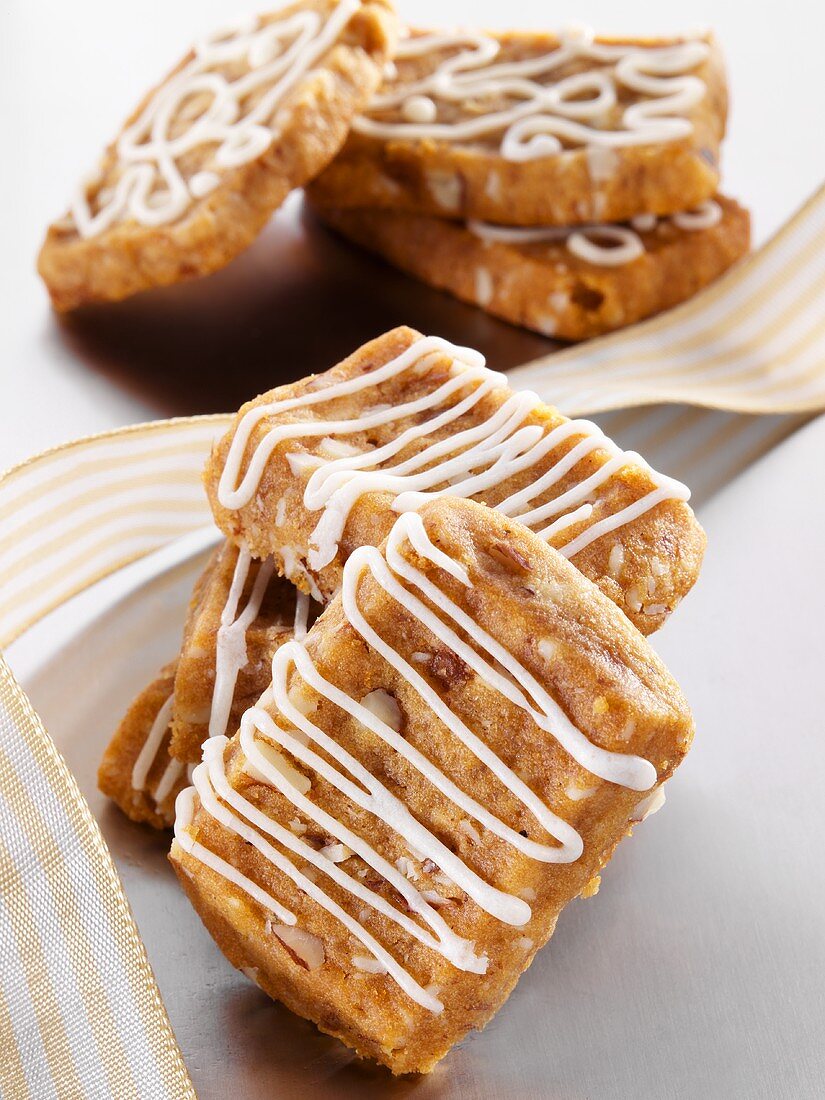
{"x": 604, "y": 245}
{"x": 544, "y": 117}
{"x": 238, "y": 124}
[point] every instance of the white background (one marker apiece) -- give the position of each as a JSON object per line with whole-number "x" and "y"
{"x": 70, "y": 72}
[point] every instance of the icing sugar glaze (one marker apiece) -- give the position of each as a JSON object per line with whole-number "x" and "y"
{"x": 603, "y": 245}
{"x": 230, "y": 659}
{"x": 467, "y": 463}
{"x": 264, "y": 739}
{"x": 238, "y": 123}
{"x": 540, "y": 116}
{"x": 148, "y": 754}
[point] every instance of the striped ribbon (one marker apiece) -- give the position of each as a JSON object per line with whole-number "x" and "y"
{"x": 752, "y": 342}
{"x": 74, "y": 514}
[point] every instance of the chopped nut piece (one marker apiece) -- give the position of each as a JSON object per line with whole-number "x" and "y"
{"x": 508, "y": 556}
{"x": 448, "y": 668}
{"x": 304, "y": 948}
{"x": 385, "y": 708}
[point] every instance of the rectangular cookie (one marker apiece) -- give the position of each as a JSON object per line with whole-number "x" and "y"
{"x": 564, "y": 282}
{"x": 525, "y": 128}
{"x": 144, "y": 765}
{"x": 450, "y": 757}
{"x": 312, "y": 470}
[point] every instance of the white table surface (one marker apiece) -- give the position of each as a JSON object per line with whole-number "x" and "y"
{"x": 70, "y": 72}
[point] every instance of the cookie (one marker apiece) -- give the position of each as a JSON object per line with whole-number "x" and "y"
{"x": 449, "y": 758}
{"x": 313, "y": 470}
{"x": 569, "y": 283}
{"x": 137, "y": 771}
{"x": 248, "y": 115}
{"x": 525, "y": 128}
{"x": 240, "y": 613}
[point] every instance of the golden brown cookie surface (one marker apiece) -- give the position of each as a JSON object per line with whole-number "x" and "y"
{"x": 525, "y": 128}
{"x": 248, "y": 115}
{"x": 220, "y": 674}
{"x": 210, "y": 688}
{"x": 538, "y": 279}
{"x": 137, "y": 771}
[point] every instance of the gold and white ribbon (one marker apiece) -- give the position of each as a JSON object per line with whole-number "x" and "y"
{"x": 752, "y": 342}
{"x": 80, "y": 1011}
{"x": 74, "y": 514}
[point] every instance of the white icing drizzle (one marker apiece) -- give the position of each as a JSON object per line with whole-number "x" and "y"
{"x": 230, "y": 650}
{"x": 301, "y": 615}
{"x": 234, "y": 128}
{"x": 465, "y": 464}
{"x": 151, "y": 746}
{"x": 703, "y": 217}
{"x": 259, "y": 731}
{"x": 171, "y": 774}
{"x": 230, "y": 658}
{"x": 541, "y": 118}
{"x": 587, "y": 241}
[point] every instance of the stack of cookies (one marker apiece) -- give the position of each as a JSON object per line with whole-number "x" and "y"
{"x": 414, "y": 710}
{"x": 565, "y": 183}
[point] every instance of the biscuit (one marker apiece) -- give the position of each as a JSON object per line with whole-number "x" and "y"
{"x": 525, "y": 129}
{"x": 567, "y": 283}
{"x": 313, "y": 470}
{"x": 448, "y": 759}
{"x": 239, "y": 614}
{"x": 137, "y": 771}
{"x": 241, "y": 611}
{"x": 248, "y": 115}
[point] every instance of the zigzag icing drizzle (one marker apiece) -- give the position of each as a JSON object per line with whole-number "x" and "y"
{"x": 469, "y": 462}
{"x": 545, "y": 116}
{"x": 587, "y": 242}
{"x": 262, "y": 737}
{"x": 152, "y": 189}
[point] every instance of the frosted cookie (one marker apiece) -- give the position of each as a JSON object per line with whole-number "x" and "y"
{"x": 137, "y": 771}
{"x": 240, "y": 613}
{"x": 525, "y": 128}
{"x": 311, "y": 471}
{"x": 448, "y": 758}
{"x": 249, "y": 114}
{"x": 563, "y": 282}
